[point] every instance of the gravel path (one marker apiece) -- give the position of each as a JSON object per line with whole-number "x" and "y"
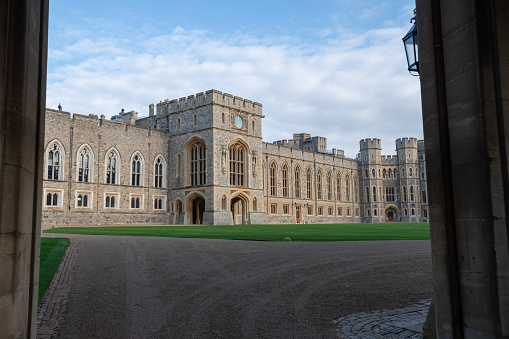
{"x": 140, "y": 287}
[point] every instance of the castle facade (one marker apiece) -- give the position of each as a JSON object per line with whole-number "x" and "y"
{"x": 201, "y": 160}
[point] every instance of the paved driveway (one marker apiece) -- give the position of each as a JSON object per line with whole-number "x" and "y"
{"x": 138, "y": 287}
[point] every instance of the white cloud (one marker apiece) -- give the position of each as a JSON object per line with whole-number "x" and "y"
{"x": 354, "y": 87}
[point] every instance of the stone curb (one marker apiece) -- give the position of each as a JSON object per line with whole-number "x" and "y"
{"x": 402, "y": 323}
{"x": 55, "y": 298}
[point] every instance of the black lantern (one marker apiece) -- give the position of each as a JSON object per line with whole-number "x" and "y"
{"x": 412, "y": 53}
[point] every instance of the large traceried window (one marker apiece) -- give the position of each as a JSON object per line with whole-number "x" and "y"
{"x": 272, "y": 179}
{"x": 54, "y": 161}
{"x": 112, "y": 167}
{"x": 356, "y": 188}
{"x": 198, "y": 164}
{"x": 297, "y": 182}
{"x": 137, "y": 169}
{"x": 237, "y": 164}
{"x": 308, "y": 183}
{"x": 338, "y": 186}
{"x": 329, "y": 186}
{"x": 319, "y": 184}
{"x": 347, "y": 187}
{"x": 285, "y": 180}
{"x": 159, "y": 172}
{"x": 85, "y": 164}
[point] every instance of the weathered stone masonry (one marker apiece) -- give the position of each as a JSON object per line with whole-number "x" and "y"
{"x": 201, "y": 159}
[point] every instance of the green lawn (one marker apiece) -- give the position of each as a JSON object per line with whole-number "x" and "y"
{"x": 52, "y": 250}
{"x": 308, "y": 232}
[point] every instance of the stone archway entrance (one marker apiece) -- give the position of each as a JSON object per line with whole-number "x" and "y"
{"x": 391, "y": 214}
{"x": 197, "y": 207}
{"x": 238, "y": 207}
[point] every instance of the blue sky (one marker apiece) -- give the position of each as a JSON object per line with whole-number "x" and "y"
{"x": 329, "y": 68}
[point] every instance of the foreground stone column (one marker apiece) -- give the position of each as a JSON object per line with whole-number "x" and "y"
{"x": 23, "y": 50}
{"x": 464, "y": 61}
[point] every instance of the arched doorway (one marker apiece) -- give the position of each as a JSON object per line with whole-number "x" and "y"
{"x": 196, "y": 209}
{"x": 238, "y": 206}
{"x": 391, "y": 214}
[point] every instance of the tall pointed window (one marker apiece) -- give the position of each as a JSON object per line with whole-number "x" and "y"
{"x": 411, "y": 193}
{"x": 159, "y": 172}
{"x": 285, "y": 180}
{"x": 237, "y": 164}
{"x": 308, "y": 183}
{"x": 85, "y": 164}
{"x": 137, "y": 169}
{"x": 54, "y": 162}
{"x": 329, "y": 186}
{"x": 356, "y": 188}
{"x": 347, "y": 187}
{"x": 112, "y": 165}
{"x": 319, "y": 184}
{"x": 272, "y": 179}
{"x": 338, "y": 186}
{"x": 297, "y": 182}
{"x": 404, "y": 194}
{"x": 198, "y": 169}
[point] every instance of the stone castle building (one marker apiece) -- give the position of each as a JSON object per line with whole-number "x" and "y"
{"x": 201, "y": 160}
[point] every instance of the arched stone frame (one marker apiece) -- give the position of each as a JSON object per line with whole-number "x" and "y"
{"x": 234, "y": 199}
{"x": 273, "y": 179}
{"x": 195, "y": 162}
{"x": 347, "y": 187}
{"x": 84, "y": 165}
{"x": 309, "y": 183}
{"x": 137, "y": 169}
{"x": 329, "y": 185}
{"x": 338, "y": 186}
{"x": 109, "y": 171}
{"x": 285, "y": 180}
{"x": 239, "y": 165}
{"x": 319, "y": 188}
{"x": 194, "y": 212}
{"x": 178, "y": 210}
{"x": 51, "y": 147}
{"x": 255, "y": 204}
{"x": 297, "y": 181}
{"x": 224, "y": 201}
{"x": 264, "y": 184}
{"x": 356, "y": 188}
{"x": 159, "y": 171}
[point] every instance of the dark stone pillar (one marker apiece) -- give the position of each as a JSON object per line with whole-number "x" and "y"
{"x": 23, "y": 51}
{"x": 464, "y": 62}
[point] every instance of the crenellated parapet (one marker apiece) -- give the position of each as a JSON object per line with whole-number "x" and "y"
{"x": 370, "y": 144}
{"x": 207, "y": 98}
{"x": 389, "y": 159}
{"x": 406, "y": 143}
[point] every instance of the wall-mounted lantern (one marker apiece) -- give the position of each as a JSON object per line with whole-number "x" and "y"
{"x": 411, "y": 48}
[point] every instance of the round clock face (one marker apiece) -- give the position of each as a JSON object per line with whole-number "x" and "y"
{"x": 239, "y": 122}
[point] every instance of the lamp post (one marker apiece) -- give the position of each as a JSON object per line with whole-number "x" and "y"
{"x": 410, "y": 42}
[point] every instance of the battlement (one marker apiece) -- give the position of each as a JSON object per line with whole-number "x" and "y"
{"x": 209, "y": 97}
{"x": 389, "y": 159}
{"x": 406, "y": 143}
{"x": 370, "y": 144}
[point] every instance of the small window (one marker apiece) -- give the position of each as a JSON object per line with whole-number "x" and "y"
{"x": 53, "y": 198}
{"x": 136, "y": 202}
{"x": 425, "y": 213}
{"x": 178, "y": 123}
{"x": 83, "y": 199}
{"x": 413, "y": 211}
{"x": 348, "y": 212}
{"x": 253, "y": 125}
{"x": 375, "y": 212}
{"x": 406, "y": 212}
{"x": 222, "y": 118}
{"x": 340, "y": 211}
{"x": 286, "y": 209}
{"x": 159, "y": 202}
{"x": 223, "y": 203}
{"x": 310, "y": 210}
{"x": 423, "y": 197}
{"x": 111, "y": 200}
{"x": 357, "y": 211}
{"x": 330, "y": 210}
{"x": 194, "y": 120}
{"x": 320, "y": 210}
{"x": 273, "y": 208}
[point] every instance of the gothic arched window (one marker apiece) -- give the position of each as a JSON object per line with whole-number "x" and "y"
{"x": 159, "y": 172}
{"x": 112, "y": 167}
{"x": 137, "y": 169}
{"x": 85, "y": 164}
{"x": 329, "y": 186}
{"x": 237, "y": 164}
{"x": 297, "y": 182}
{"x": 308, "y": 183}
{"x": 338, "y": 186}
{"x": 319, "y": 184}
{"x": 55, "y": 161}
{"x": 347, "y": 187}
{"x": 285, "y": 180}
{"x": 198, "y": 164}
{"x": 272, "y": 179}
{"x": 356, "y": 188}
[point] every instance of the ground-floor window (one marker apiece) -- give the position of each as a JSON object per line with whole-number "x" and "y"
{"x": 136, "y": 201}
{"x": 413, "y": 211}
{"x": 286, "y": 209}
{"x": 310, "y": 210}
{"x": 273, "y": 208}
{"x": 83, "y": 199}
{"x": 425, "y": 213}
{"x": 54, "y": 198}
{"x": 357, "y": 212}
{"x": 320, "y": 210}
{"x": 348, "y": 212}
{"x": 159, "y": 202}
{"x": 330, "y": 210}
{"x": 111, "y": 200}
{"x": 340, "y": 211}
